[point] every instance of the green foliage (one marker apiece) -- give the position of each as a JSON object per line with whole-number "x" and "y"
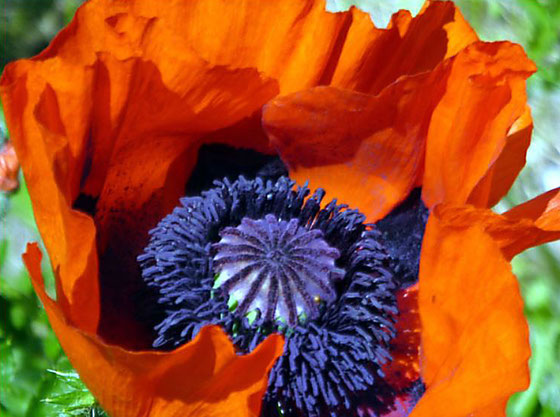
{"x": 46, "y": 17}
{"x": 74, "y": 399}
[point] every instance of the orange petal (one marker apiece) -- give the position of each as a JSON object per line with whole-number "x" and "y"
{"x": 205, "y": 377}
{"x": 291, "y": 41}
{"x": 530, "y": 224}
{"x": 294, "y": 42}
{"x": 500, "y": 177}
{"x": 373, "y": 58}
{"x": 297, "y": 42}
{"x": 544, "y": 210}
{"x": 48, "y": 162}
{"x": 344, "y": 141}
{"x": 475, "y": 340}
{"x": 485, "y": 96}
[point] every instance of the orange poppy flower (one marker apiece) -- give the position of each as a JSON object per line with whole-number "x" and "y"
{"x": 134, "y": 105}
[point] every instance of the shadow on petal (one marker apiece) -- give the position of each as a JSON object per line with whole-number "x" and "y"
{"x": 500, "y": 176}
{"x": 345, "y": 141}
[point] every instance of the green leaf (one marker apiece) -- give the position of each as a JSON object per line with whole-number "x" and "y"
{"x": 70, "y": 397}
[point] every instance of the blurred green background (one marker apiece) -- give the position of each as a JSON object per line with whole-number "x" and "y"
{"x": 36, "y": 378}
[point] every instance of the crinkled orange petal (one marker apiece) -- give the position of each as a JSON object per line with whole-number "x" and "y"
{"x": 373, "y": 58}
{"x": 292, "y": 41}
{"x": 366, "y": 151}
{"x": 485, "y": 97}
{"x": 205, "y": 377}
{"x": 475, "y": 339}
{"x": 295, "y": 42}
{"x": 530, "y": 224}
{"x": 500, "y": 177}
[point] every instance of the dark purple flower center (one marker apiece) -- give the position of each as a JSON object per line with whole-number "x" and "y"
{"x": 262, "y": 256}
